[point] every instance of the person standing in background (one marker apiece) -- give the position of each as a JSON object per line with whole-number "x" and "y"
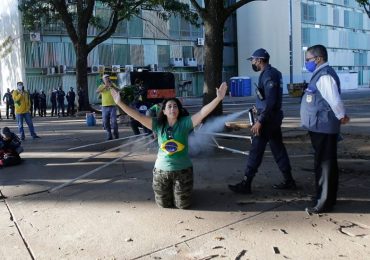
{"x": 36, "y": 102}
{"x": 60, "y": 101}
{"x": 81, "y": 103}
{"x": 42, "y": 97}
{"x": 22, "y": 104}
{"x": 71, "y": 97}
{"x": 8, "y": 99}
{"x": 109, "y": 108}
{"x": 53, "y": 100}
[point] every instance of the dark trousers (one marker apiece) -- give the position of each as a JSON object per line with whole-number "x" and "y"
{"x": 274, "y": 137}
{"x": 53, "y": 108}
{"x": 11, "y": 109}
{"x": 326, "y": 169}
{"x": 60, "y": 108}
{"x": 36, "y": 108}
{"x": 135, "y": 127}
{"x": 71, "y": 108}
{"x": 43, "y": 109}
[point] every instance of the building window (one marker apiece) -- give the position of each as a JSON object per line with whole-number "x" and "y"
{"x": 346, "y": 18}
{"x": 163, "y": 55}
{"x": 187, "y": 52}
{"x": 308, "y": 11}
{"x": 335, "y": 16}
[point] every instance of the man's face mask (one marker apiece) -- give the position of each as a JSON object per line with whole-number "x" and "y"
{"x": 255, "y": 67}
{"x": 19, "y": 86}
{"x": 310, "y": 64}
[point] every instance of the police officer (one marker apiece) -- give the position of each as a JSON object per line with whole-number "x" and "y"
{"x": 267, "y": 128}
{"x": 322, "y": 113}
{"x": 42, "y": 97}
{"x": 36, "y": 102}
{"x": 53, "y": 100}
{"x": 71, "y": 96}
{"x": 60, "y": 101}
{"x": 9, "y": 103}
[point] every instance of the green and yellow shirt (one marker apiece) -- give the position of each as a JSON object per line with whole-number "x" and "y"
{"x": 173, "y": 152}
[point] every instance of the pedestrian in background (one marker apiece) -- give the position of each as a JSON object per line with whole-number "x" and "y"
{"x": 53, "y": 101}
{"x": 36, "y": 102}
{"x": 71, "y": 97}
{"x": 267, "y": 128}
{"x": 8, "y": 99}
{"x": 81, "y": 98}
{"x": 22, "y": 104}
{"x": 42, "y": 97}
{"x": 109, "y": 108}
{"x": 60, "y": 101}
{"x": 322, "y": 113}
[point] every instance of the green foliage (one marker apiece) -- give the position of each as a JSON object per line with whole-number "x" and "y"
{"x": 37, "y": 13}
{"x": 128, "y": 94}
{"x": 366, "y": 5}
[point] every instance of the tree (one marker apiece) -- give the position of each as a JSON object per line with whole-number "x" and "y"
{"x": 214, "y": 15}
{"x": 77, "y": 15}
{"x": 366, "y": 5}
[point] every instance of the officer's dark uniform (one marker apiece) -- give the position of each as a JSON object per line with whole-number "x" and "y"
{"x": 60, "y": 99}
{"x": 43, "y": 103}
{"x": 269, "y": 114}
{"x": 53, "y": 100}
{"x": 71, "y": 96}
{"x": 36, "y": 103}
{"x": 9, "y": 104}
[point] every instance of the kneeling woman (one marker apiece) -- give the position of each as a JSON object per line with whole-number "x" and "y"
{"x": 173, "y": 170}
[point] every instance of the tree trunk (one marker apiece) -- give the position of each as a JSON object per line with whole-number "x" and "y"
{"x": 213, "y": 61}
{"x": 81, "y": 75}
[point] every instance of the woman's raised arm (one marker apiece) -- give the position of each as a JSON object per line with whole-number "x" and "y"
{"x": 144, "y": 120}
{"x": 198, "y": 117}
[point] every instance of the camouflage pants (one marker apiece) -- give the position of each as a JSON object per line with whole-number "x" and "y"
{"x": 173, "y": 188}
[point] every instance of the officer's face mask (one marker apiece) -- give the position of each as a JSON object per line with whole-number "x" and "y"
{"x": 19, "y": 86}
{"x": 255, "y": 67}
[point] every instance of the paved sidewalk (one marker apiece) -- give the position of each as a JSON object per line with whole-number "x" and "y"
{"x": 112, "y": 214}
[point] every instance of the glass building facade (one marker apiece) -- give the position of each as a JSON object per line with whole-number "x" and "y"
{"x": 139, "y": 42}
{"x": 344, "y": 28}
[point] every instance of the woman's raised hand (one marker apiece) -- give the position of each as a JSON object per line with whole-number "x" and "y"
{"x": 221, "y": 91}
{"x": 116, "y": 96}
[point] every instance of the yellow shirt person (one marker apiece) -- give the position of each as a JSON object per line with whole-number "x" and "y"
{"x": 104, "y": 90}
{"x": 109, "y": 109}
{"x": 22, "y": 101}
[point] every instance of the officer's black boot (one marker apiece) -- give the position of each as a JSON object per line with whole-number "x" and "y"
{"x": 243, "y": 187}
{"x": 288, "y": 184}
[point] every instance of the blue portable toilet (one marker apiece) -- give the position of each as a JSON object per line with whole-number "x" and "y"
{"x": 245, "y": 86}
{"x": 234, "y": 86}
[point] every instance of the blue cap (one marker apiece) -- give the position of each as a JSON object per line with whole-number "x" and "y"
{"x": 260, "y": 54}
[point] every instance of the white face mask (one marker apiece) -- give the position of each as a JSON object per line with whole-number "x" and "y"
{"x": 19, "y": 87}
